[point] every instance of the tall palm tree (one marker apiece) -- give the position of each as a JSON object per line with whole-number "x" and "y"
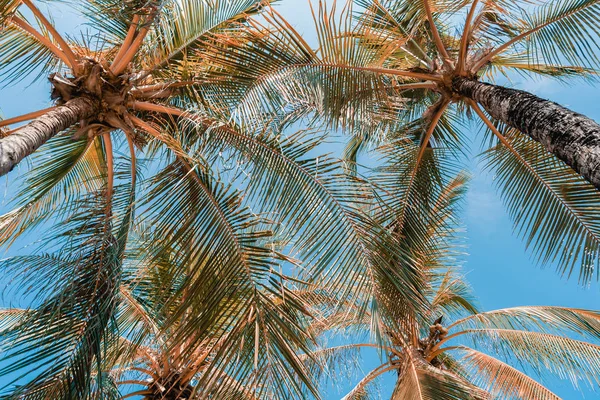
{"x": 391, "y": 69}
{"x": 449, "y": 349}
{"x": 248, "y": 350}
{"x": 170, "y": 325}
{"x": 483, "y": 355}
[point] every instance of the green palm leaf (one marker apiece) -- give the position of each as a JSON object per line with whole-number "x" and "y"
{"x": 63, "y": 171}
{"x": 553, "y": 208}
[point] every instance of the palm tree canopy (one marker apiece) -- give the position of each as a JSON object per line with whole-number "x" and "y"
{"x": 388, "y": 69}
{"x": 201, "y": 240}
{"x": 247, "y": 349}
{"x": 153, "y": 156}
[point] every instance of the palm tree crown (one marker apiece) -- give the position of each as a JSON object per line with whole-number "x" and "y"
{"x": 201, "y": 241}
{"x": 386, "y": 70}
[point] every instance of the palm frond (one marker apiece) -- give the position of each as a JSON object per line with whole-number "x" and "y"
{"x": 10, "y": 317}
{"x": 553, "y": 208}
{"x": 64, "y": 170}
{"x": 362, "y": 390}
{"x": 330, "y": 235}
{"x": 549, "y": 319}
{"x": 22, "y": 54}
{"x": 521, "y": 63}
{"x": 187, "y": 23}
{"x": 452, "y": 296}
{"x": 545, "y": 354}
{"x": 229, "y": 287}
{"x": 73, "y": 322}
{"x": 560, "y": 30}
{"x": 501, "y": 380}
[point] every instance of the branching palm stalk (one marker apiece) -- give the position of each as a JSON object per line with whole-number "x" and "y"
{"x": 389, "y": 68}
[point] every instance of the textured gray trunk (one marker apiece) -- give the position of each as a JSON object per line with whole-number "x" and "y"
{"x": 29, "y": 138}
{"x": 572, "y": 137}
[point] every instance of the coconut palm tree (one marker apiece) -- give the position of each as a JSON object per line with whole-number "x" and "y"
{"x": 140, "y": 333}
{"x": 483, "y": 355}
{"x": 109, "y": 80}
{"x": 449, "y": 349}
{"x": 390, "y": 69}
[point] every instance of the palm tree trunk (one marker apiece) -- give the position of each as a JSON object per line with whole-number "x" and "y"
{"x": 572, "y": 137}
{"x": 29, "y": 138}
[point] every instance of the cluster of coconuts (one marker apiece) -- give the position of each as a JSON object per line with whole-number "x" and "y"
{"x": 439, "y": 330}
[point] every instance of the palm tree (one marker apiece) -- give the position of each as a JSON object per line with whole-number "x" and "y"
{"x": 111, "y": 80}
{"x": 449, "y": 349}
{"x": 249, "y": 350}
{"x": 471, "y": 357}
{"x": 396, "y": 71}
{"x": 170, "y": 325}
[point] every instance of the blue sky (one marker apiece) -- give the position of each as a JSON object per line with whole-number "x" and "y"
{"x": 498, "y": 267}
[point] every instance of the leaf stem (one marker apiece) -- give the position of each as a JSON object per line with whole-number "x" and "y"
{"x": 25, "y": 117}
{"x": 462, "y": 54}
{"x": 434, "y": 31}
{"x": 110, "y": 177}
{"x": 63, "y": 44}
{"x": 127, "y": 42}
{"x": 42, "y": 39}
{"x": 433, "y": 124}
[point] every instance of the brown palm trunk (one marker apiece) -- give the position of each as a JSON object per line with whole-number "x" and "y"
{"x": 572, "y": 137}
{"x": 28, "y": 139}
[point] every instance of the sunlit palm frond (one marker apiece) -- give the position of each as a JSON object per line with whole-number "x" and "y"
{"x": 284, "y": 178}
{"x": 452, "y": 297}
{"x": 267, "y": 339}
{"x": 10, "y": 317}
{"x": 22, "y": 53}
{"x": 79, "y": 325}
{"x": 7, "y": 9}
{"x": 186, "y": 24}
{"x": 545, "y": 354}
{"x": 63, "y": 171}
{"x": 506, "y": 64}
{"x": 553, "y": 208}
{"x": 229, "y": 286}
{"x": 277, "y": 72}
{"x": 559, "y": 31}
{"x": 412, "y": 15}
{"x": 335, "y": 362}
{"x": 502, "y": 380}
{"x": 113, "y": 17}
{"x": 562, "y": 320}
{"x": 364, "y": 388}
{"x": 415, "y": 196}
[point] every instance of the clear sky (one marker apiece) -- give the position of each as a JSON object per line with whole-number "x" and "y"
{"x": 498, "y": 267}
